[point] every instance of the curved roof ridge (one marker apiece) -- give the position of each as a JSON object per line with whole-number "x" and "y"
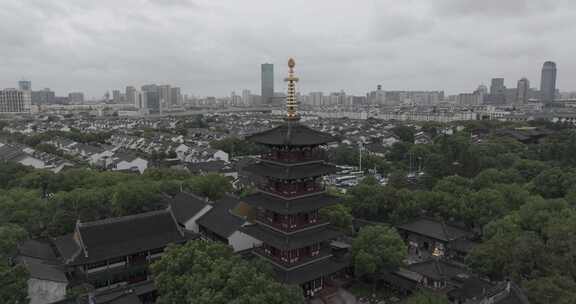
{"x": 121, "y": 218}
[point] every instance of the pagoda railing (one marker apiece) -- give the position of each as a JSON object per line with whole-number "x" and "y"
{"x": 294, "y": 156}
{"x": 289, "y": 193}
{"x": 322, "y": 254}
{"x": 286, "y": 227}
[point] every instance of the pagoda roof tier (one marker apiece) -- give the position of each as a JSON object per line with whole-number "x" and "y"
{"x": 311, "y": 271}
{"x": 292, "y": 134}
{"x": 294, "y": 240}
{"x": 267, "y": 169}
{"x": 291, "y": 206}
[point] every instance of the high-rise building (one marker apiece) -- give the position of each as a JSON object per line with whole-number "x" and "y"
{"x": 15, "y": 101}
{"x": 116, "y": 96}
{"x": 377, "y": 97}
{"x": 522, "y": 91}
{"x": 267, "y": 83}
{"x": 76, "y": 98}
{"x": 175, "y": 96}
{"x": 151, "y": 103}
{"x": 295, "y": 239}
{"x": 45, "y": 96}
{"x": 497, "y": 91}
{"x": 236, "y": 100}
{"x": 164, "y": 91}
{"x": 131, "y": 95}
{"x": 316, "y": 98}
{"x": 481, "y": 92}
{"x": 247, "y": 98}
{"x": 25, "y": 85}
{"x": 548, "y": 82}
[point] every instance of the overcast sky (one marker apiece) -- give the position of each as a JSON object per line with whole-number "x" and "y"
{"x": 212, "y": 47}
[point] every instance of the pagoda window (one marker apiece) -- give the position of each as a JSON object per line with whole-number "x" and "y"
{"x": 315, "y": 249}
{"x": 314, "y": 215}
{"x": 293, "y": 222}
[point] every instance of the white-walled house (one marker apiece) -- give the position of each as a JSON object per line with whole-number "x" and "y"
{"x": 217, "y": 221}
{"x": 47, "y": 282}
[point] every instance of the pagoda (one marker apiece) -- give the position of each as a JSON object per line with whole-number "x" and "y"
{"x": 295, "y": 240}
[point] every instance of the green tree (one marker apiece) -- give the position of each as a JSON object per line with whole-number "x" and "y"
{"x": 427, "y": 298}
{"x": 339, "y": 216}
{"x": 405, "y": 133}
{"x": 209, "y": 273}
{"x": 377, "y": 248}
{"x": 213, "y": 185}
{"x": 554, "y": 289}
{"x": 14, "y": 282}
{"x": 135, "y": 197}
{"x": 553, "y": 183}
{"x": 10, "y": 236}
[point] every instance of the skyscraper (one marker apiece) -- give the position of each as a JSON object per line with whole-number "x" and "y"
{"x": 267, "y": 83}
{"x": 522, "y": 91}
{"x": 151, "y": 99}
{"x": 548, "y": 82}
{"x": 498, "y": 91}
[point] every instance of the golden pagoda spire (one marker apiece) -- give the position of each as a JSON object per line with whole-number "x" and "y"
{"x": 291, "y": 102}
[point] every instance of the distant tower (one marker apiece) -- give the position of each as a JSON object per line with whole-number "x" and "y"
{"x": 25, "y": 85}
{"x": 291, "y": 101}
{"x": 522, "y": 91}
{"x": 267, "y": 82}
{"x": 548, "y": 82}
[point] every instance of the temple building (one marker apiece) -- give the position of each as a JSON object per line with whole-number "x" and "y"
{"x": 295, "y": 240}
{"x": 105, "y": 254}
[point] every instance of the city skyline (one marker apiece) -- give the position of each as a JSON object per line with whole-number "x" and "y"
{"x": 208, "y": 48}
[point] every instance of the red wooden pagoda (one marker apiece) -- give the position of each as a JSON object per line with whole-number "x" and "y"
{"x": 295, "y": 240}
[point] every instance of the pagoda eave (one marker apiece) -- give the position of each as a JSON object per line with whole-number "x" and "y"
{"x": 267, "y": 169}
{"x": 295, "y": 240}
{"x": 310, "y": 272}
{"x": 292, "y": 133}
{"x": 285, "y": 206}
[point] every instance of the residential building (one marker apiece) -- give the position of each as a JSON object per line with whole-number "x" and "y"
{"x": 45, "y": 96}
{"x": 175, "y": 96}
{"x": 15, "y": 101}
{"x": 131, "y": 95}
{"x": 116, "y": 96}
{"x": 247, "y": 98}
{"x": 76, "y": 98}
{"x": 316, "y": 99}
{"x": 165, "y": 92}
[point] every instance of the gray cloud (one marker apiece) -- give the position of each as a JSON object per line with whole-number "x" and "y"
{"x": 211, "y": 47}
